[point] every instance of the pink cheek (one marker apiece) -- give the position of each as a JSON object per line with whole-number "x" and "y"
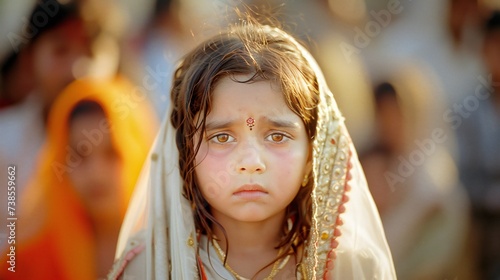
{"x": 213, "y": 177}
{"x": 289, "y": 162}
{"x": 212, "y": 190}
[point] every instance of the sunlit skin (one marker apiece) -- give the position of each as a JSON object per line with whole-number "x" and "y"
{"x": 97, "y": 181}
{"x": 249, "y": 177}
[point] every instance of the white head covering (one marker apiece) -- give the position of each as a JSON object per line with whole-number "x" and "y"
{"x": 163, "y": 217}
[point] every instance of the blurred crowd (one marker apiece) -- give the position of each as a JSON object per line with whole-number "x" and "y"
{"x": 84, "y": 85}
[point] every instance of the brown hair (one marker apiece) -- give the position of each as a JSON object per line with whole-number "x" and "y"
{"x": 264, "y": 53}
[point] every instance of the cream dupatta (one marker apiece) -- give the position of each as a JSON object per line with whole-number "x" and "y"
{"x": 158, "y": 241}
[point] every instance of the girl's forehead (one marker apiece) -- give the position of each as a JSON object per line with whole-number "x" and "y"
{"x": 233, "y": 96}
{"x": 236, "y": 103}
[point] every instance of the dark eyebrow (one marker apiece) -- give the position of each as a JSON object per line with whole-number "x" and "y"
{"x": 218, "y": 124}
{"x": 282, "y": 123}
{"x": 278, "y": 123}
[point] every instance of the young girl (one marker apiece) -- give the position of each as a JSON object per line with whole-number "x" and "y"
{"x": 249, "y": 174}
{"x": 70, "y": 216}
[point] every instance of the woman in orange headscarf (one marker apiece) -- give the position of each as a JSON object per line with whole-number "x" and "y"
{"x": 99, "y": 134}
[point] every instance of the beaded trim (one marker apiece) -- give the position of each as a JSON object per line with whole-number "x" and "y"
{"x": 331, "y": 156}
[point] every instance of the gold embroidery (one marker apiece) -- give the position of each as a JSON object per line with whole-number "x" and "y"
{"x": 331, "y": 150}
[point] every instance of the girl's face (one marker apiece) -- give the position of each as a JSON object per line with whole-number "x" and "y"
{"x": 250, "y": 174}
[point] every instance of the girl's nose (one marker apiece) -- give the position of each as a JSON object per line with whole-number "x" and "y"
{"x": 250, "y": 160}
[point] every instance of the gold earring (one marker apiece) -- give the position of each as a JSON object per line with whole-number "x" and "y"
{"x": 305, "y": 181}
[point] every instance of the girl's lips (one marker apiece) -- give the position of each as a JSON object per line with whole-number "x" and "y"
{"x": 250, "y": 188}
{"x": 252, "y": 191}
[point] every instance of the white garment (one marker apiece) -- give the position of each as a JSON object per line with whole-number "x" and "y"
{"x": 22, "y": 135}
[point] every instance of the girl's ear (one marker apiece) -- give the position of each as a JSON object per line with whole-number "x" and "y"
{"x": 308, "y": 167}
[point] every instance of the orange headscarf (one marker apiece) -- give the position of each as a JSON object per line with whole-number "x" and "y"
{"x": 54, "y": 235}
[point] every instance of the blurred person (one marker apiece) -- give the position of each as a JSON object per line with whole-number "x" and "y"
{"x": 422, "y": 33}
{"x": 465, "y": 19}
{"x": 478, "y": 130}
{"x": 157, "y": 50}
{"x": 16, "y": 81}
{"x": 414, "y": 181}
{"x": 86, "y": 173}
{"x": 58, "y": 44}
{"x": 15, "y": 76}
{"x": 173, "y": 29}
{"x": 344, "y": 68}
{"x": 462, "y": 16}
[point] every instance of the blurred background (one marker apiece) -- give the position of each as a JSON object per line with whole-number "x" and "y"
{"x": 418, "y": 83}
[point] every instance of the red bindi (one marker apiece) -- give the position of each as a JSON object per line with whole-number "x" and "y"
{"x": 250, "y": 122}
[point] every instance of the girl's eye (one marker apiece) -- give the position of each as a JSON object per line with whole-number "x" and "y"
{"x": 222, "y": 138}
{"x": 277, "y": 137}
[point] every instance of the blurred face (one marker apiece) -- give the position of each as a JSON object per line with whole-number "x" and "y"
{"x": 254, "y": 155}
{"x": 18, "y": 81}
{"x": 462, "y": 13}
{"x": 54, "y": 55}
{"x": 390, "y": 124}
{"x": 492, "y": 54}
{"x": 97, "y": 179}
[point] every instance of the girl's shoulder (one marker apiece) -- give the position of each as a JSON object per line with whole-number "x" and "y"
{"x": 132, "y": 261}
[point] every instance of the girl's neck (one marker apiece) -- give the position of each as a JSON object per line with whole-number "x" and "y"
{"x": 252, "y": 246}
{"x": 248, "y": 238}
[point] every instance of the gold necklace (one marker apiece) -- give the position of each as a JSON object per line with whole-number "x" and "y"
{"x": 276, "y": 268}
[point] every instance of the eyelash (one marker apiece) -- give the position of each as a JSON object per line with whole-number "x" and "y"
{"x": 285, "y": 137}
{"x": 215, "y": 138}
